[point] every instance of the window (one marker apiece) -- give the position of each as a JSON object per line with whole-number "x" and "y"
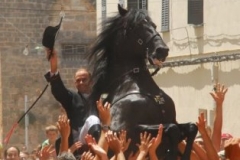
{"x": 73, "y": 52}
{"x": 165, "y": 16}
{"x": 195, "y": 12}
{"x": 137, "y": 4}
{"x": 104, "y": 11}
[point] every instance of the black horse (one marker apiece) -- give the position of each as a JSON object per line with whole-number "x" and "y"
{"x": 120, "y": 73}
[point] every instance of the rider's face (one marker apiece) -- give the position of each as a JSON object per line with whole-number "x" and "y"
{"x": 82, "y": 81}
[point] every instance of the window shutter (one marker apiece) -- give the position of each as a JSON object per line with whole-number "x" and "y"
{"x": 195, "y": 12}
{"x": 144, "y": 4}
{"x": 132, "y": 4}
{"x": 165, "y": 15}
{"x": 73, "y": 53}
{"x": 104, "y": 11}
{"x": 138, "y": 4}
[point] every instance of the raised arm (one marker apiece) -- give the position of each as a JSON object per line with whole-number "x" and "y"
{"x": 58, "y": 89}
{"x": 53, "y": 60}
{"x": 218, "y": 95}
{"x": 115, "y": 145}
{"x": 155, "y": 143}
{"x": 210, "y": 150}
{"x": 146, "y": 142}
{"x": 105, "y": 118}
{"x": 64, "y": 129}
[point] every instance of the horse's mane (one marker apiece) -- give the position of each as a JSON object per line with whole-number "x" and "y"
{"x": 102, "y": 50}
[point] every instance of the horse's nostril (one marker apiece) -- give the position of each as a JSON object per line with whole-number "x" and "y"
{"x": 161, "y": 54}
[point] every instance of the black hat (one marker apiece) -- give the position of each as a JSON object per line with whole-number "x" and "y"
{"x": 49, "y": 36}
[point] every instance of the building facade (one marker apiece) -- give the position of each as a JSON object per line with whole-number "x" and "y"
{"x": 23, "y": 61}
{"x": 203, "y": 38}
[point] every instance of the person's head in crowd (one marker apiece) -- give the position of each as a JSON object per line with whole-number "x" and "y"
{"x": 12, "y": 153}
{"x": 83, "y": 80}
{"x": 51, "y": 133}
{"x": 224, "y": 137}
{"x": 24, "y": 155}
{"x": 24, "y": 148}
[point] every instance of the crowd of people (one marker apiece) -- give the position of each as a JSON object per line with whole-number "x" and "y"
{"x": 90, "y": 137}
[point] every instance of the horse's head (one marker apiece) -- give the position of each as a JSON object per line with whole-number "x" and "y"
{"x": 139, "y": 37}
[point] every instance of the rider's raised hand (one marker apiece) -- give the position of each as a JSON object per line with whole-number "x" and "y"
{"x": 53, "y": 60}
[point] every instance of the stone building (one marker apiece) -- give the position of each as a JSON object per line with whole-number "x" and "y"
{"x": 23, "y": 62}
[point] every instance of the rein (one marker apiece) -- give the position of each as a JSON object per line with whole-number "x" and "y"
{"x": 135, "y": 71}
{"x": 143, "y": 44}
{"x": 9, "y": 134}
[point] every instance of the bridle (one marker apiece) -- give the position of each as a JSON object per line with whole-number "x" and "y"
{"x": 143, "y": 42}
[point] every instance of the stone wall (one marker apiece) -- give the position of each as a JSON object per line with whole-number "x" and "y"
{"x": 22, "y": 25}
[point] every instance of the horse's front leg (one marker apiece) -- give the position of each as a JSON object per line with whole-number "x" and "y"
{"x": 173, "y": 133}
{"x": 189, "y": 131}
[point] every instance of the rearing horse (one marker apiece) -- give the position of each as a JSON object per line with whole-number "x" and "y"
{"x": 120, "y": 73}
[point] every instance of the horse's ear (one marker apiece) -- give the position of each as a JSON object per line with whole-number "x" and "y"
{"x": 121, "y": 10}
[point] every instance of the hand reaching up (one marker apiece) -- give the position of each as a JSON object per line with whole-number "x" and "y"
{"x": 104, "y": 112}
{"x": 63, "y": 126}
{"x": 113, "y": 142}
{"x": 123, "y": 140}
{"x": 201, "y": 123}
{"x": 87, "y": 156}
{"x": 146, "y": 143}
{"x": 219, "y": 93}
{"x": 100, "y": 152}
{"x": 156, "y": 140}
{"x": 75, "y": 146}
{"x": 47, "y": 152}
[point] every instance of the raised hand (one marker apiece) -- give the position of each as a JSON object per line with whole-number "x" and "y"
{"x": 90, "y": 139}
{"x": 219, "y": 93}
{"x": 201, "y": 123}
{"x": 104, "y": 112}
{"x": 75, "y": 146}
{"x": 53, "y": 60}
{"x": 63, "y": 126}
{"x": 156, "y": 140}
{"x": 87, "y": 156}
{"x": 146, "y": 142}
{"x": 47, "y": 152}
{"x": 113, "y": 142}
{"x": 100, "y": 152}
{"x": 123, "y": 140}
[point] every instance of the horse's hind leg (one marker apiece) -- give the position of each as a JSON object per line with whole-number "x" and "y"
{"x": 173, "y": 132}
{"x": 189, "y": 131}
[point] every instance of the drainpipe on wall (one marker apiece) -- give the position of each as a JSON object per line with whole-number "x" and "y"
{"x": 26, "y": 121}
